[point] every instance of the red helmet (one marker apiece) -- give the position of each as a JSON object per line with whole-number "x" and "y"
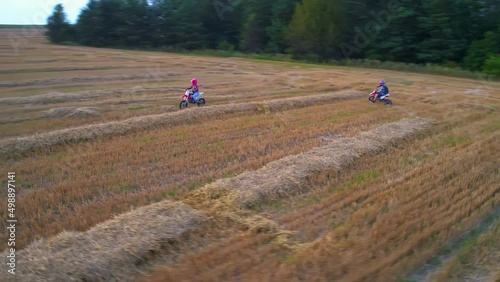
{"x": 194, "y": 81}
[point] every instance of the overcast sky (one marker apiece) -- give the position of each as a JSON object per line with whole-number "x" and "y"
{"x": 37, "y": 11}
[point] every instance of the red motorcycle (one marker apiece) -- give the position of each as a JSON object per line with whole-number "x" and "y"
{"x": 187, "y": 99}
{"x": 373, "y": 97}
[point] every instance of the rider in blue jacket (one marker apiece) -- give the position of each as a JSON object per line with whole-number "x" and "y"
{"x": 383, "y": 90}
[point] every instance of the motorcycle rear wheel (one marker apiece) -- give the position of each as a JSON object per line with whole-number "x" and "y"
{"x": 201, "y": 102}
{"x": 388, "y": 102}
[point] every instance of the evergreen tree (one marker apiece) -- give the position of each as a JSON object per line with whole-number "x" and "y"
{"x": 137, "y": 26}
{"x": 490, "y": 14}
{"x": 253, "y": 35}
{"x": 113, "y": 17}
{"x": 163, "y": 25}
{"x": 221, "y": 27}
{"x": 87, "y": 24}
{"x": 58, "y": 27}
{"x": 450, "y": 26}
{"x": 282, "y": 11}
{"x": 399, "y": 34}
{"x": 188, "y": 28}
{"x": 100, "y": 23}
{"x": 425, "y": 31}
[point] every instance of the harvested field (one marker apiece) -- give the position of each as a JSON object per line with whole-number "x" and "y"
{"x": 288, "y": 176}
{"x": 389, "y": 217}
{"x": 288, "y": 173}
{"x": 52, "y": 98}
{"x": 22, "y": 145}
{"x": 74, "y": 113}
{"x": 108, "y": 250}
{"x": 128, "y": 240}
{"x": 471, "y": 258}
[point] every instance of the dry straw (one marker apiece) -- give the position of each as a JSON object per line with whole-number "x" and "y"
{"x": 73, "y": 113}
{"x": 116, "y": 249}
{"x": 21, "y": 145}
{"x": 289, "y": 175}
{"x": 111, "y": 250}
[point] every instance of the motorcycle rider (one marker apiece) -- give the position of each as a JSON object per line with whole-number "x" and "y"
{"x": 194, "y": 89}
{"x": 383, "y": 90}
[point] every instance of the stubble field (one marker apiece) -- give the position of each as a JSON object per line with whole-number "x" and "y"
{"x": 288, "y": 173}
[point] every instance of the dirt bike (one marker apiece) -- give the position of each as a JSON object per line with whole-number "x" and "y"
{"x": 187, "y": 98}
{"x": 373, "y": 97}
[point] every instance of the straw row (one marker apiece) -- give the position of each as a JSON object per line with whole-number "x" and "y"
{"x": 289, "y": 175}
{"x": 20, "y": 145}
{"x": 111, "y": 250}
{"x": 114, "y": 249}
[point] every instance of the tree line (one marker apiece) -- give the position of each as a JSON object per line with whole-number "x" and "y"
{"x": 454, "y": 33}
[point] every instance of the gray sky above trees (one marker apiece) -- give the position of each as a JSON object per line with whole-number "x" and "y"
{"x": 28, "y": 12}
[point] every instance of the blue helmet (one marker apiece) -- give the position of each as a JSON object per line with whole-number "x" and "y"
{"x": 381, "y": 83}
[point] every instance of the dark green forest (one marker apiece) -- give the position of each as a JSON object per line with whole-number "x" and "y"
{"x": 453, "y": 33}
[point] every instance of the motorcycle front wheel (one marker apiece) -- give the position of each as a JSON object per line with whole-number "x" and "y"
{"x": 183, "y": 104}
{"x": 372, "y": 99}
